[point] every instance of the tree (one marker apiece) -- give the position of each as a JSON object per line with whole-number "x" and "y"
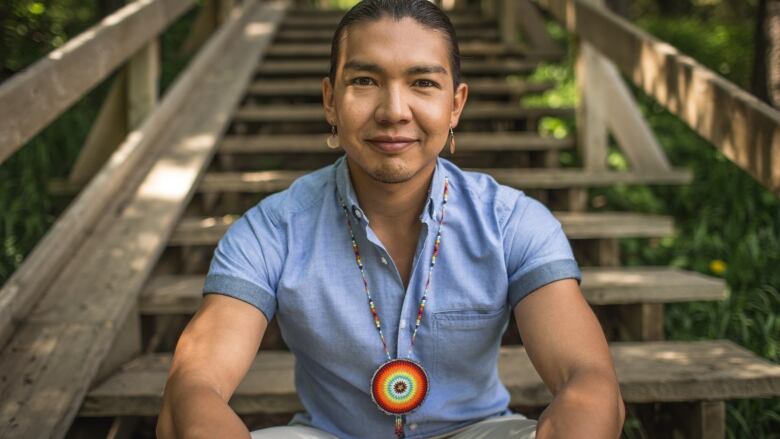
{"x": 766, "y": 65}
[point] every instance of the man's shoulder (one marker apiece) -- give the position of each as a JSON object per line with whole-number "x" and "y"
{"x": 484, "y": 189}
{"x": 305, "y": 192}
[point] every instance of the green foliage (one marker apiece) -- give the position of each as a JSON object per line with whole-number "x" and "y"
{"x": 727, "y": 224}
{"x": 32, "y": 30}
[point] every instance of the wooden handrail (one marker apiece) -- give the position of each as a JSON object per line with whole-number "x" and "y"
{"x": 745, "y": 129}
{"x": 105, "y": 192}
{"x": 51, "y": 85}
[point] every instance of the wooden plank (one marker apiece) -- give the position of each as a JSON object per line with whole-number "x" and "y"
{"x": 106, "y": 134}
{"x": 313, "y": 88}
{"x": 577, "y": 225}
{"x": 623, "y": 118}
{"x": 468, "y": 68}
{"x": 313, "y": 112}
{"x": 54, "y": 83}
{"x": 648, "y": 372}
{"x": 468, "y": 141}
{"x": 534, "y": 29}
{"x": 315, "y": 35}
{"x": 507, "y": 21}
{"x": 329, "y": 22}
{"x": 107, "y": 190}
{"x": 531, "y": 178}
{"x": 181, "y": 294}
{"x": 54, "y": 354}
{"x": 467, "y": 49}
{"x": 745, "y": 129}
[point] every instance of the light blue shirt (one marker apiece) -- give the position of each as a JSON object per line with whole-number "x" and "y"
{"x": 291, "y": 257}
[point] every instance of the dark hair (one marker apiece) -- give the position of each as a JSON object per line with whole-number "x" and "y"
{"x": 422, "y": 11}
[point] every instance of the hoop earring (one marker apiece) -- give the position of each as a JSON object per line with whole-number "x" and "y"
{"x": 333, "y": 140}
{"x": 452, "y": 141}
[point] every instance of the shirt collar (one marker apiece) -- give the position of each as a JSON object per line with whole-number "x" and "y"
{"x": 347, "y": 191}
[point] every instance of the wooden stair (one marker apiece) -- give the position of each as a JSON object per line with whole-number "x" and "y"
{"x": 277, "y": 115}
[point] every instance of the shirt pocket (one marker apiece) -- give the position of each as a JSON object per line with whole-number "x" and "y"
{"x": 466, "y": 344}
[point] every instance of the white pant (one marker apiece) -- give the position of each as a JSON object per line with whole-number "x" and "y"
{"x": 512, "y": 426}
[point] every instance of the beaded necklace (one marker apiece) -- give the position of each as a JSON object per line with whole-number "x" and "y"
{"x": 398, "y": 386}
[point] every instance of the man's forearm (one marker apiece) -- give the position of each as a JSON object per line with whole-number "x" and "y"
{"x": 193, "y": 410}
{"x": 588, "y": 406}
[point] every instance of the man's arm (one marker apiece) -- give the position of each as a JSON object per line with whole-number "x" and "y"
{"x": 212, "y": 356}
{"x": 566, "y": 345}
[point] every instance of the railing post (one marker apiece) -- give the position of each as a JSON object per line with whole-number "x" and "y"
{"x": 591, "y": 114}
{"x": 143, "y": 74}
{"x": 508, "y": 21}
{"x": 489, "y": 8}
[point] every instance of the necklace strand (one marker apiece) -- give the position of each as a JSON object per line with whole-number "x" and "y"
{"x": 371, "y": 304}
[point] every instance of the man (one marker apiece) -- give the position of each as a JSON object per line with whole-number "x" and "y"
{"x": 392, "y": 272}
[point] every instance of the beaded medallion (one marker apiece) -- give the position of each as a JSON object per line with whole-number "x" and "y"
{"x": 399, "y": 386}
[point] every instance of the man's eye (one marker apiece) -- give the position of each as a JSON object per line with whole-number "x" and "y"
{"x": 363, "y": 80}
{"x": 425, "y": 83}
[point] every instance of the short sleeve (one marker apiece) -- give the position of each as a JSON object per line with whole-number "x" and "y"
{"x": 537, "y": 251}
{"x": 247, "y": 262}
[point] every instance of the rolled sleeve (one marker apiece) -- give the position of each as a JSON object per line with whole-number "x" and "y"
{"x": 537, "y": 250}
{"x": 247, "y": 262}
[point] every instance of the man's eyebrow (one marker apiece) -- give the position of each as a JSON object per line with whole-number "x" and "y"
{"x": 414, "y": 70}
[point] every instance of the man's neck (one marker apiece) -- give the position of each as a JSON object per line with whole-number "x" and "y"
{"x": 396, "y": 204}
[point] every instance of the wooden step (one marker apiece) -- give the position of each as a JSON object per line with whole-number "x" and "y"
{"x": 330, "y": 22}
{"x": 273, "y": 181}
{"x": 309, "y": 113}
{"x": 312, "y": 88}
{"x": 468, "y": 68}
{"x": 468, "y": 49}
{"x": 577, "y": 225}
{"x": 468, "y": 141}
{"x": 181, "y": 294}
{"x": 326, "y": 35}
{"x": 647, "y": 372}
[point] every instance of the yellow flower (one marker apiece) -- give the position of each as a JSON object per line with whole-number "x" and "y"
{"x": 718, "y": 266}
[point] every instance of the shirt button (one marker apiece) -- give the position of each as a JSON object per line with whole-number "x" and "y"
{"x": 403, "y": 323}
{"x": 412, "y": 426}
{"x": 356, "y": 212}
{"x": 384, "y": 261}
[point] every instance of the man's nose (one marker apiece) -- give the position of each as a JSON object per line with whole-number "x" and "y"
{"x": 393, "y": 106}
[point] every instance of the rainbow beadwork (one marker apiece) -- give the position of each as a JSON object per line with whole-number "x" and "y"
{"x": 399, "y": 386}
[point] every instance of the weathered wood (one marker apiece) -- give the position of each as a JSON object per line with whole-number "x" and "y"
{"x": 592, "y": 135}
{"x": 107, "y": 190}
{"x": 126, "y": 346}
{"x": 143, "y": 78}
{"x": 181, "y": 294}
{"x": 106, "y": 134}
{"x": 507, "y": 21}
{"x": 326, "y": 21}
{"x": 532, "y": 25}
{"x": 314, "y": 112}
{"x": 54, "y": 355}
{"x": 312, "y": 88}
{"x": 652, "y": 371}
{"x": 326, "y": 35}
{"x": 576, "y": 225}
{"x": 54, "y": 83}
{"x": 320, "y": 68}
{"x": 467, "y": 49}
{"x": 745, "y": 129}
{"x": 700, "y": 419}
{"x": 622, "y": 116}
{"x": 641, "y": 321}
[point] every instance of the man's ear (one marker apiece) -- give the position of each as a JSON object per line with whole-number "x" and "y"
{"x": 458, "y": 102}
{"x": 327, "y": 101}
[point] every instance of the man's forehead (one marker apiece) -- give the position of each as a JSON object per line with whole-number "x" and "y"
{"x": 390, "y": 43}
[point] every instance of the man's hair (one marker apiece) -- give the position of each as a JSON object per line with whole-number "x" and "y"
{"x": 422, "y": 11}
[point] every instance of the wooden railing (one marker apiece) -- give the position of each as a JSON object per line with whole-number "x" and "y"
{"x": 745, "y": 129}
{"x": 120, "y": 145}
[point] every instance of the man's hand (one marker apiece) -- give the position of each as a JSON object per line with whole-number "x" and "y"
{"x": 566, "y": 345}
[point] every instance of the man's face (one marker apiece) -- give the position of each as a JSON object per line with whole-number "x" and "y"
{"x": 393, "y": 99}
